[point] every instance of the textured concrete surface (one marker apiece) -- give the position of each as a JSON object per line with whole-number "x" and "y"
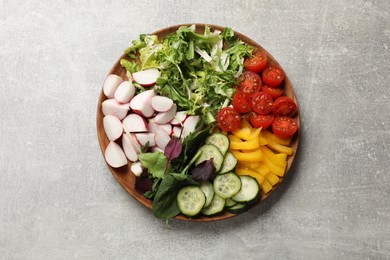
{"x": 59, "y": 201}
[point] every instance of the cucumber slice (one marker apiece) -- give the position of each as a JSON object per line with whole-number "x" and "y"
{"x": 208, "y": 191}
{"x": 229, "y": 162}
{"x": 221, "y": 141}
{"x": 230, "y": 203}
{"x": 191, "y": 200}
{"x": 238, "y": 208}
{"x": 250, "y": 190}
{"x": 210, "y": 151}
{"x": 216, "y": 206}
{"x": 227, "y": 185}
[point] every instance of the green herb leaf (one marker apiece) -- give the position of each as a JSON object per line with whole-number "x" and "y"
{"x": 155, "y": 163}
{"x": 165, "y": 203}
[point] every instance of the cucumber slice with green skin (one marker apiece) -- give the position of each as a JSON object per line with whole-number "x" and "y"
{"x": 221, "y": 141}
{"x": 208, "y": 191}
{"x": 250, "y": 190}
{"x": 227, "y": 185}
{"x": 216, "y": 206}
{"x": 191, "y": 200}
{"x": 229, "y": 162}
{"x": 210, "y": 151}
{"x": 230, "y": 203}
{"x": 238, "y": 208}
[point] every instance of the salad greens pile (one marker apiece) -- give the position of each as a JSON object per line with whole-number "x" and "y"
{"x": 197, "y": 70}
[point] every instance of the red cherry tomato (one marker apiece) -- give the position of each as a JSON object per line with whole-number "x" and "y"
{"x": 284, "y": 106}
{"x": 263, "y": 121}
{"x": 273, "y": 92}
{"x": 250, "y": 82}
{"x": 284, "y": 126}
{"x": 228, "y": 119}
{"x": 257, "y": 62}
{"x": 242, "y": 102}
{"x": 273, "y": 75}
{"x": 261, "y": 103}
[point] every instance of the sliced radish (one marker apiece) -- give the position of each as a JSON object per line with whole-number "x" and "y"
{"x": 136, "y": 168}
{"x": 110, "y": 85}
{"x": 130, "y": 151}
{"x": 125, "y": 92}
{"x": 165, "y": 117}
{"x": 115, "y": 156}
{"x": 154, "y": 127}
{"x": 176, "y": 131}
{"x": 180, "y": 117}
{"x": 161, "y": 104}
{"x": 146, "y": 138}
{"x": 146, "y": 77}
{"x": 141, "y": 103}
{"x": 167, "y": 128}
{"x": 162, "y": 139}
{"x": 113, "y": 107}
{"x": 112, "y": 127}
{"x": 156, "y": 148}
{"x": 190, "y": 125}
{"x": 135, "y": 123}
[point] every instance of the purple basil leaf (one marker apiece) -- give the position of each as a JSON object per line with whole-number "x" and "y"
{"x": 203, "y": 171}
{"x": 143, "y": 184}
{"x": 173, "y": 149}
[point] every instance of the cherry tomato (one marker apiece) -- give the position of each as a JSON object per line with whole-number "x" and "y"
{"x": 273, "y": 75}
{"x": 263, "y": 121}
{"x": 228, "y": 119}
{"x": 284, "y": 126}
{"x": 250, "y": 82}
{"x": 257, "y": 62}
{"x": 273, "y": 92}
{"x": 242, "y": 102}
{"x": 261, "y": 103}
{"x": 284, "y": 106}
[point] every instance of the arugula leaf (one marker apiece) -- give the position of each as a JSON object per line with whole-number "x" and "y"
{"x": 155, "y": 163}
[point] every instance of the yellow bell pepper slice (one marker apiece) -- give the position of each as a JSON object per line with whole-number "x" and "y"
{"x": 246, "y": 145}
{"x": 251, "y": 173}
{"x": 272, "y": 178}
{"x": 262, "y": 140}
{"x": 272, "y": 157}
{"x": 234, "y": 138}
{"x": 247, "y": 134}
{"x": 273, "y": 168}
{"x": 248, "y": 156}
{"x": 266, "y": 186}
{"x": 281, "y": 156}
{"x": 248, "y": 165}
{"x": 262, "y": 169}
{"x": 280, "y": 148}
{"x": 271, "y": 137}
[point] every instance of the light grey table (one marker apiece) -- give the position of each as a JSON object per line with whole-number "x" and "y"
{"x": 58, "y": 199}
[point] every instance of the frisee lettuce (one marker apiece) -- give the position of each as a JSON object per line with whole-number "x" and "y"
{"x": 196, "y": 71}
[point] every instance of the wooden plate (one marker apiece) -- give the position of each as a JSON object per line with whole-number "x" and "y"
{"x": 127, "y": 179}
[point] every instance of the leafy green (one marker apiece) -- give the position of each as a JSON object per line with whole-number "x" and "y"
{"x": 164, "y": 202}
{"x": 196, "y": 72}
{"x": 155, "y": 163}
{"x": 190, "y": 147}
{"x": 129, "y": 66}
